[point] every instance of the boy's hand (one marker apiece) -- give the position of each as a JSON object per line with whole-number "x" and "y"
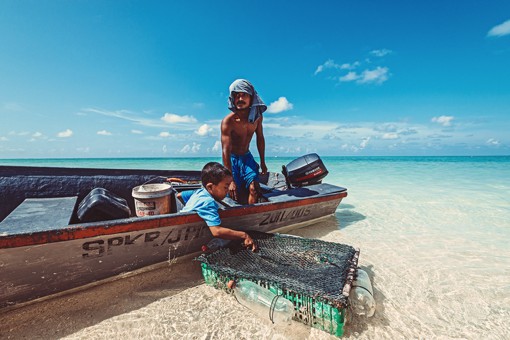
{"x": 248, "y": 243}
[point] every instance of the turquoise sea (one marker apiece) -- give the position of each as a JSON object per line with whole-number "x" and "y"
{"x": 434, "y": 236}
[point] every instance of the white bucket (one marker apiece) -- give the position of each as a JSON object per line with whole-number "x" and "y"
{"x": 152, "y": 199}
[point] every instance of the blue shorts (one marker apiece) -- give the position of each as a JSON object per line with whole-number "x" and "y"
{"x": 244, "y": 169}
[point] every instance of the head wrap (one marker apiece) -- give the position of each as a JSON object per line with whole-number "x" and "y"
{"x": 257, "y": 105}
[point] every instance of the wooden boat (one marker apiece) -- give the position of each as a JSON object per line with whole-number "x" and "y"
{"x": 45, "y": 249}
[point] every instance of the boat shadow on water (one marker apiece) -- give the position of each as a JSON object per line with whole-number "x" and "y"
{"x": 68, "y": 313}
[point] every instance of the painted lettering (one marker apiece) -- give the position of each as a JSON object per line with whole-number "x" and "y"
{"x": 284, "y": 216}
{"x": 94, "y": 248}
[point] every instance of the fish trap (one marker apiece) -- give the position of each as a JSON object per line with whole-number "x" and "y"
{"x": 314, "y": 275}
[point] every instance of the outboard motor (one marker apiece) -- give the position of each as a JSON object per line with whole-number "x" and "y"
{"x": 305, "y": 170}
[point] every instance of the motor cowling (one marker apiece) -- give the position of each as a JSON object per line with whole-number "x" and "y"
{"x": 305, "y": 170}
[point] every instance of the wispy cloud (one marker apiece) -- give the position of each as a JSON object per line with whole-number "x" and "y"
{"x": 371, "y": 75}
{"x": 137, "y": 132}
{"x": 133, "y": 117}
{"x": 330, "y": 64}
{"x": 492, "y": 141}
{"x": 376, "y": 76}
{"x": 65, "y": 134}
{"x": 443, "y": 120}
{"x": 390, "y": 135}
{"x": 217, "y": 146}
{"x": 500, "y": 30}
{"x": 191, "y": 148}
{"x": 37, "y": 136}
{"x": 282, "y": 104}
{"x": 381, "y": 53}
{"x": 172, "y": 118}
{"x": 351, "y": 76}
{"x": 104, "y": 133}
{"x": 203, "y": 130}
{"x": 164, "y": 134}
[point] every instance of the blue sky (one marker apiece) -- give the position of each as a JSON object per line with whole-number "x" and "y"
{"x": 150, "y": 78}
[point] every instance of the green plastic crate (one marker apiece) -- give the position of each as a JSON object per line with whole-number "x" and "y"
{"x": 311, "y": 311}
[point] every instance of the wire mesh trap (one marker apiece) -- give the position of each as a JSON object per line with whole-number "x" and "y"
{"x": 314, "y": 275}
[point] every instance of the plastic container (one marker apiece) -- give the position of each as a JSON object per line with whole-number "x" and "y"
{"x": 263, "y": 302}
{"x": 152, "y": 199}
{"x": 361, "y": 296}
{"x": 102, "y": 205}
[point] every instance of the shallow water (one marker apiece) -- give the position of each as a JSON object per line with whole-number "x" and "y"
{"x": 433, "y": 235}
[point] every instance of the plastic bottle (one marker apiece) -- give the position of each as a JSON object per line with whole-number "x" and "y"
{"x": 259, "y": 300}
{"x": 361, "y": 296}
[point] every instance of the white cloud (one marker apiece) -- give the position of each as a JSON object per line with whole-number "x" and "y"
{"x": 348, "y": 66}
{"x": 137, "y": 132}
{"x": 104, "y": 133}
{"x": 492, "y": 141}
{"x": 164, "y": 149}
{"x": 164, "y": 134}
{"x": 377, "y": 76}
{"x": 173, "y": 118}
{"x": 330, "y": 63}
{"x": 381, "y": 52}
{"x": 37, "y": 136}
{"x": 3, "y": 139}
{"x": 65, "y": 134}
{"x": 203, "y": 130}
{"x": 390, "y": 135}
{"x": 500, "y": 30}
{"x": 364, "y": 143}
{"x": 443, "y": 120}
{"x": 217, "y": 146}
{"x": 282, "y": 104}
{"x": 193, "y": 149}
{"x": 351, "y": 76}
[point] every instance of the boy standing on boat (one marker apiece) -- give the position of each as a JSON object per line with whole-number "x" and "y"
{"x": 237, "y": 130}
{"x": 216, "y": 180}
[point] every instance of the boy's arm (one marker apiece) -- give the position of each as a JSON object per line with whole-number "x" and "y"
{"x": 230, "y": 234}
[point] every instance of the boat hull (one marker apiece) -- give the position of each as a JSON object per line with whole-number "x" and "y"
{"x": 43, "y": 263}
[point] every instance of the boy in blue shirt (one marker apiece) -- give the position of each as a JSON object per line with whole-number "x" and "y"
{"x": 216, "y": 180}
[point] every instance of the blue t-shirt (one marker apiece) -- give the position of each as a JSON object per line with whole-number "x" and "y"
{"x": 204, "y": 204}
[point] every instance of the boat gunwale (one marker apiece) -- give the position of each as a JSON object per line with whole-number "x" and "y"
{"x": 131, "y": 224}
